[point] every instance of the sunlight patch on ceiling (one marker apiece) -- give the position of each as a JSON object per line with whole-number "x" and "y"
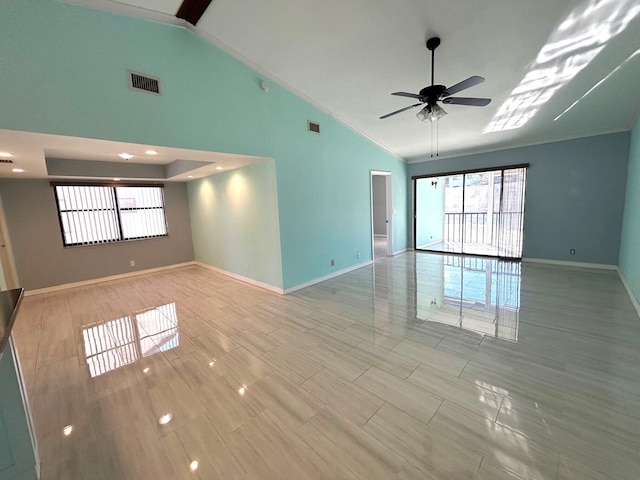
{"x": 570, "y": 48}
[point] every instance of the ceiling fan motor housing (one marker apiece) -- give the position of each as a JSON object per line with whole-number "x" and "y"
{"x": 432, "y": 93}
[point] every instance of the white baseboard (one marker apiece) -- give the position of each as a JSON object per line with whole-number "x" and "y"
{"x": 241, "y": 278}
{"x": 602, "y": 266}
{"x": 430, "y": 244}
{"x": 634, "y": 300}
{"x": 65, "y": 286}
{"x": 327, "y": 277}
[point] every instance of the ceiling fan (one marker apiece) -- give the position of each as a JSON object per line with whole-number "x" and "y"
{"x": 432, "y": 94}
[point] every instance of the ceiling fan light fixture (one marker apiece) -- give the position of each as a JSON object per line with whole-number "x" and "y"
{"x": 431, "y": 113}
{"x": 424, "y": 115}
{"x": 437, "y": 112}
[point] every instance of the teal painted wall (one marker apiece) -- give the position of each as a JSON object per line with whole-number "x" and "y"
{"x": 630, "y": 243}
{"x": 429, "y": 211}
{"x": 64, "y": 71}
{"x": 234, "y": 222}
{"x": 574, "y": 198}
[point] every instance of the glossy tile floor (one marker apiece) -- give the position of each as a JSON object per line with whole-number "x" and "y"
{"x": 420, "y": 366}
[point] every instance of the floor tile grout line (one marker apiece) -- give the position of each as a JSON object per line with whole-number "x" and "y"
{"x": 412, "y": 372}
{"x": 374, "y": 414}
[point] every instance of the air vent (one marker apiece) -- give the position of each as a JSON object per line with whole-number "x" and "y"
{"x": 5, "y": 160}
{"x": 145, "y": 83}
{"x": 313, "y": 127}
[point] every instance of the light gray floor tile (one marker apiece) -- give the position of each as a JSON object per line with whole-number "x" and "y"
{"x": 367, "y": 375}
{"x": 404, "y": 395}
{"x": 349, "y": 400}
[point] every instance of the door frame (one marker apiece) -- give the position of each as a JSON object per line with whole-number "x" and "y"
{"x": 7, "y": 263}
{"x": 502, "y": 168}
{"x": 389, "y": 213}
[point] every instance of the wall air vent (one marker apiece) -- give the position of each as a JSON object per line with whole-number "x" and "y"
{"x": 313, "y": 127}
{"x": 5, "y": 160}
{"x": 137, "y": 81}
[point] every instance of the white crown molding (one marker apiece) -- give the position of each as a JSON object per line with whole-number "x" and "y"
{"x": 118, "y": 8}
{"x": 513, "y": 146}
{"x": 274, "y": 78}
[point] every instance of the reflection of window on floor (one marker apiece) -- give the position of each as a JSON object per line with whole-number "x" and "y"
{"x": 476, "y": 294}
{"x": 487, "y": 293}
{"x": 115, "y": 343}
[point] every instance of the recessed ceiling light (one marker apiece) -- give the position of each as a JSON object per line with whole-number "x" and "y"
{"x": 6, "y": 155}
{"x": 212, "y": 362}
{"x": 219, "y": 168}
{"x": 17, "y": 170}
{"x": 189, "y": 176}
{"x": 125, "y": 155}
{"x": 116, "y": 179}
{"x": 193, "y": 466}
{"x": 242, "y": 389}
{"x": 164, "y": 419}
{"x": 151, "y": 152}
{"x": 146, "y": 370}
{"x": 67, "y": 430}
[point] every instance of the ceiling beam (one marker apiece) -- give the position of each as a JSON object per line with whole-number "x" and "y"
{"x": 192, "y": 10}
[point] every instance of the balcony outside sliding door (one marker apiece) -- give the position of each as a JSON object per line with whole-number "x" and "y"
{"x": 476, "y": 213}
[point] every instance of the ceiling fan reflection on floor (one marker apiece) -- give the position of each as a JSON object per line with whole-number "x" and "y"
{"x": 430, "y": 96}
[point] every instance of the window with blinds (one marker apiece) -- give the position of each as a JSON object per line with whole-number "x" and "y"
{"x": 95, "y": 214}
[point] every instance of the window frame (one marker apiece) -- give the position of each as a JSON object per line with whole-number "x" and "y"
{"x": 116, "y": 210}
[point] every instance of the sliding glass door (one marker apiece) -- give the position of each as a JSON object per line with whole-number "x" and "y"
{"x": 477, "y": 213}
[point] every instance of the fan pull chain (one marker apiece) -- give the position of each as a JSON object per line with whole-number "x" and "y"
{"x": 431, "y": 140}
{"x": 434, "y": 129}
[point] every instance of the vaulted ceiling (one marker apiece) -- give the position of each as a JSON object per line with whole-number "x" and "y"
{"x": 554, "y": 70}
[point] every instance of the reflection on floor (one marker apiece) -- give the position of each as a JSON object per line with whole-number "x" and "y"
{"x": 419, "y": 366}
{"x": 379, "y": 247}
{"x": 115, "y": 343}
{"x": 476, "y": 294}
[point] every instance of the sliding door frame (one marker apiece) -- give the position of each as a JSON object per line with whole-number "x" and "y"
{"x": 414, "y": 178}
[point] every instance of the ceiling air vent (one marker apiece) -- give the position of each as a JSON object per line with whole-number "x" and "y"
{"x": 5, "y": 160}
{"x": 137, "y": 81}
{"x": 313, "y": 127}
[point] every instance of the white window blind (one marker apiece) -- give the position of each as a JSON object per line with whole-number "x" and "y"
{"x": 94, "y": 214}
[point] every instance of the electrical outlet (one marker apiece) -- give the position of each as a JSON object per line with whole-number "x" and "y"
{"x": 132, "y": 263}
{"x": 358, "y": 255}
{"x": 572, "y": 251}
{"x": 333, "y": 263}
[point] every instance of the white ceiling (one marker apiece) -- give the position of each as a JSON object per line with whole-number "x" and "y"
{"x": 538, "y": 58}
{"x": 356, "y": 53}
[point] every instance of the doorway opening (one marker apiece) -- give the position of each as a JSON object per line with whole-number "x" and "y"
{"x": 475, "y": 212}
{"x": 381, "y": 214}
{"x": 8, "y": 274}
